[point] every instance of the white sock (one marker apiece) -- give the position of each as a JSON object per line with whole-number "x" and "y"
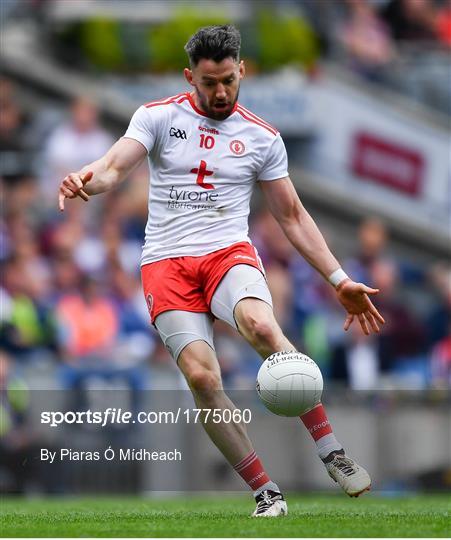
{"x": 327, "y": 444}
{"x": 269, "y": 485}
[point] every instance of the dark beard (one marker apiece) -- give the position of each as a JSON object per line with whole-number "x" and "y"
{"x": 214, "y": 114}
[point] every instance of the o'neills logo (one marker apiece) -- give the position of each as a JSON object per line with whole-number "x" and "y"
{"x": 244, "y": 257}
{"x": 316, "y": 427}
{"x": 253, "y": 480}
{"x": 213, "y": 131}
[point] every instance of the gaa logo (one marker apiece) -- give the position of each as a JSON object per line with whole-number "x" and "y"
{"x": 237, "y": 147}
{"x": 177, "y": 133}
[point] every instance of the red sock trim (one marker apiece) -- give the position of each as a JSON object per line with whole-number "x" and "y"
{"x": 251, "y": 471}
{"x": 245, "y": 461}
{"x": 316, "y": 422}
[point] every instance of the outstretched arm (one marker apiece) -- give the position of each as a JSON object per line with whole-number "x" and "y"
{"x": 105, "y": 173}
{"x": 305, "y": 236}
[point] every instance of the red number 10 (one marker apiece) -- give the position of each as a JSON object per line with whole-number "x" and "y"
{"x": 207, "y": 141}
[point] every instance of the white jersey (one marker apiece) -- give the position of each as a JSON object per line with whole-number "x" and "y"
{"x": 202, "y": 174}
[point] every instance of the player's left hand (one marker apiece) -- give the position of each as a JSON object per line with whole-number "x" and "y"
{"x": 354, "y": 297}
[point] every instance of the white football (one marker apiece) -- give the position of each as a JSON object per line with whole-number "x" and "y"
{"x": 289, "y": 383}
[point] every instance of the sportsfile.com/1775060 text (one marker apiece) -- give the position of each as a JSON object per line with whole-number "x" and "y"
{"x": 113, "y": 415}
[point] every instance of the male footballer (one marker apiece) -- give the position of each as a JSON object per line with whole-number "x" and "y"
{"x": 206, "y": 152}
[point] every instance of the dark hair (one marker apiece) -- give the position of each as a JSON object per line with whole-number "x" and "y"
{"x": 215, "y": 43}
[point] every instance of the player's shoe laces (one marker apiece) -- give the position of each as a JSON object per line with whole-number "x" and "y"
{"x": 351, "y": 477}
{"x": 270, "y": 504}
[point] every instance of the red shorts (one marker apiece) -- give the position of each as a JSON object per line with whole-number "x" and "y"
{"x": 189, "y": 283}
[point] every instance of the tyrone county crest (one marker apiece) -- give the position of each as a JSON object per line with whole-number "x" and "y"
{"x": 237, "y": 147}
{"x": 149, "y": 299}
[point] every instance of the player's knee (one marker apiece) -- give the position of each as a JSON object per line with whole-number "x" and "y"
{"x": 203, "y": 381}
{"x": 265, "y": 332}
{"x": 259, "y": 329}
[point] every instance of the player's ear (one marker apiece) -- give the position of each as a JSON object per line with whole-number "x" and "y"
{"x": 242, "y": 69}
{"x": 188, "y": 75}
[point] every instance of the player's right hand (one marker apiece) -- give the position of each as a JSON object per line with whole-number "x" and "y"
{"x": 72, "y": 186}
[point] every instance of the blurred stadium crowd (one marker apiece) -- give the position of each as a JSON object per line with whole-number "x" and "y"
{"x": 70, "y": 285}
{"x": 71, "y": 294}
{"x": 403, "y": 44}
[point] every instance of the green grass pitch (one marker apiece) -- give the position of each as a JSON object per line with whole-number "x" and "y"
{"x": 222, "y": 516}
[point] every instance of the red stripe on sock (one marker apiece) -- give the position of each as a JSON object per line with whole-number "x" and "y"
{"x": 246, "y": 461}
{"x": 316, "y": 422}
{"x": 252, "y": 472}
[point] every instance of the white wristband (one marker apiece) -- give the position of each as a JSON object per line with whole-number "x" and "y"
{"x": 337, "y": 277}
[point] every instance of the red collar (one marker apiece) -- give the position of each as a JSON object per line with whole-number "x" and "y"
{"x": 202, "y": 113}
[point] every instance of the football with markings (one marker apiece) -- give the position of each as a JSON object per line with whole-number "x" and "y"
{"x": 289, "y": 383}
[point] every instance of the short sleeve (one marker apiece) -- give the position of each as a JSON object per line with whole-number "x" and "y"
{"x": 141, "y": 128}
{"x": 275, "y": 165}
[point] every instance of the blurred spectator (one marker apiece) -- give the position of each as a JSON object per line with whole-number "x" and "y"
{"x": 27, "y": 325}
{"x": 74, "y": 144}
{"x": 443, "y": 24}
{"x": 66, "y": 275}
{"x": 63, "y": 237}
{"x": 411, "y": 20}
{"x": 372, "y": 235}
{"x": 136, "y": 340}
{"x": 441, "y": 362}
{"x": 15, "y": 156}
{"x": 439, "y": 318}
{"x": 402, "y": 338}
{"x": 107, "y": 241}
{"x": 26, "y": 249}
{"x": 357, "y": 361}
{"x": 366, "y": 40}
{"x": 17, "y": 441}
{"x": 88, "y": 323}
